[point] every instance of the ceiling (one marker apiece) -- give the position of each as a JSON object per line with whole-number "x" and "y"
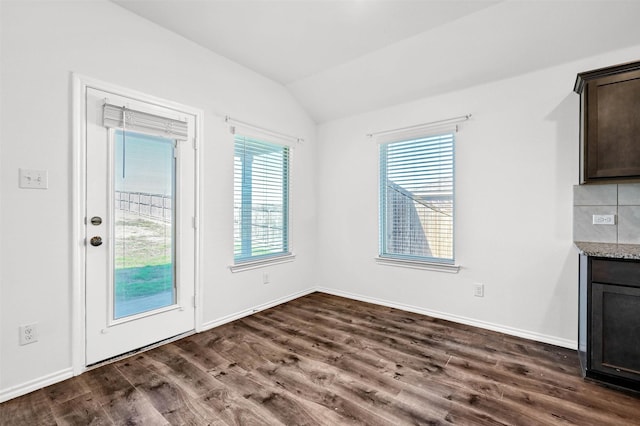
{"x": 343, "y": 57}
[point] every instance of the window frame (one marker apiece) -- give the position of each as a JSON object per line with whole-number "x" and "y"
{"x": 285, "y": 255}
{"x": 409, "y": 260}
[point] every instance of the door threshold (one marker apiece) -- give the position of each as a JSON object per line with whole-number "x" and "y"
{"x": 139, "y": 350}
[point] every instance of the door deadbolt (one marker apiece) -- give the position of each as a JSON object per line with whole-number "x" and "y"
{"x": 96, "y": 241}
{"x": 96, "y": 220}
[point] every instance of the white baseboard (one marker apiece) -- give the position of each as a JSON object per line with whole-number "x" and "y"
{"x": 33, "y": 385}
{"x": 22, "y": 389}
{"x": 538, "y": 337}
{"x": 232, "y": 317}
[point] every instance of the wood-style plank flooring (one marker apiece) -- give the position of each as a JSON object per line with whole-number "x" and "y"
{"x": 325, "y": 360}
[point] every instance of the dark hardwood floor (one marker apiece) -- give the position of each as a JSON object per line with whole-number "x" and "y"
{"x": 326, "y": 360}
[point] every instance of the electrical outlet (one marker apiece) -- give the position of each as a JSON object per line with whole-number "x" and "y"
{"x": 478, "y": 290}
{"x": 265, "y": 278}
{"x": 28, "y": 333}
{"x": 604, "y": 219}
{"x": 33, "y": 179}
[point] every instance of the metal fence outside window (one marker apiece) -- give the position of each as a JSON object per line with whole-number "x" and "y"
{"x": 155, "y": 206}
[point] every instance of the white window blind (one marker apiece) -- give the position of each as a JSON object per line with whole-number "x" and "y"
{"x": 261, "y": 199}
{"x": 417, "y": 198}
{"x": 129, "y": 119}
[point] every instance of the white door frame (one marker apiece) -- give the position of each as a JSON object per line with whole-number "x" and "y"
{"x": 80, "y": 85}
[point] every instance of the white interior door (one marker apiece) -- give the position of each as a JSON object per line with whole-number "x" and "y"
{"x": 140, "y": 234}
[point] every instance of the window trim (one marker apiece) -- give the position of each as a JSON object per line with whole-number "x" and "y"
{"x": 386, "y": 137}
{"x": 383, "y": 230}
{"x": 253, "y": 132}
{"x": 261, "y": 263}
{"x": 451, "y": 268}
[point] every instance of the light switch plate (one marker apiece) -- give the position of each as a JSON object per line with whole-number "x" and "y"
{"x": 33, "y": 179}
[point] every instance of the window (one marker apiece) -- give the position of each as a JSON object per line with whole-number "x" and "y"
{"x": 261, "y": 200}
{"x": 417, "y": 199}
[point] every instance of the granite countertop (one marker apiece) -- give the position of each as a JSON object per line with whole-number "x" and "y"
{"x": 613, "y": 250}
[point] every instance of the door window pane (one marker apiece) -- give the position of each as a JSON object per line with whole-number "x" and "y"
{"x": 144, "y": 259}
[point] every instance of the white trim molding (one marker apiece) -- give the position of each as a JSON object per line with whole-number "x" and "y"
{"x": 232, "y": 317}
{"x": 418, "y": 264}
{"x": 35, "y": 384}
{"x": 525, "y": 334}
{"x": 255, "y": 264}
{"x": 67, "y": 373}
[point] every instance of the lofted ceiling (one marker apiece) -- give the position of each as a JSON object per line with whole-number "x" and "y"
{"x": 343, "y": 57}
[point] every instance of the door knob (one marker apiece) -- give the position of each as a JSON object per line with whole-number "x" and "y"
{"x": 96, "y": 241}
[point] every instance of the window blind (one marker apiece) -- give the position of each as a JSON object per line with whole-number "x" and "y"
{"x": 261, "y": 199}
{"x": 124, "y": 118}
{"x": 417, "y": 198}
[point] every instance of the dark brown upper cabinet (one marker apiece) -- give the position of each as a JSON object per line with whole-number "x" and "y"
{"x": 610, "y": 123}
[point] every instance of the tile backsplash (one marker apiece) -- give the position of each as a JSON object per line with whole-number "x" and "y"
{"x": 621, "y": 200}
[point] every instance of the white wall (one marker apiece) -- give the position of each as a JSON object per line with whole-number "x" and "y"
{"x": 516, "y": 163}
{"x": 42, "y": 44}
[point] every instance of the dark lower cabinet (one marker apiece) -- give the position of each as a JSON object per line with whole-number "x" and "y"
{"x": 609, "y": 324}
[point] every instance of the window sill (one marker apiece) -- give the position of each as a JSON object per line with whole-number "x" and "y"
{"x": 416, "y": 264}
{"x": 255, "y": 264}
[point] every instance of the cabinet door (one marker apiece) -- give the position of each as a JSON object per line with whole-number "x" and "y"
{"x": 615, "y": 330}
{"x": 612, "y": 127}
